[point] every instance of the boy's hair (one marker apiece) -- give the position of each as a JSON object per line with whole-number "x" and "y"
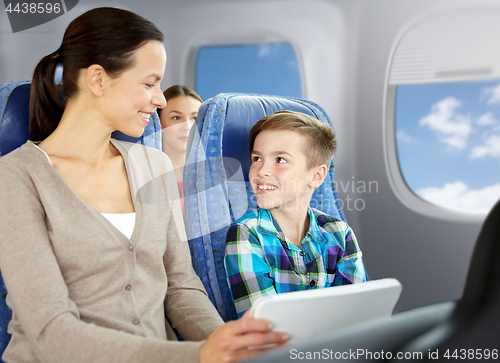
{"x": 320, "y": 139}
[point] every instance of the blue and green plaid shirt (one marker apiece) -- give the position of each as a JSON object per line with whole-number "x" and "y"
{"x": 261, "y": 261}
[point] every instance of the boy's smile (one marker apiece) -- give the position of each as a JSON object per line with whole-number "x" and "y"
{"x": 279, "y": 176}
{"x": 264, "y": 187}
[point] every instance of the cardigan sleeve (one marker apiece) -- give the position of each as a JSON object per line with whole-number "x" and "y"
{"x": 187, "y": 305}
{"x": 39, "y": 296}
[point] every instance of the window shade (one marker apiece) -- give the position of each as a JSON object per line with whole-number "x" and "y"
{"x": 452, "y": 46}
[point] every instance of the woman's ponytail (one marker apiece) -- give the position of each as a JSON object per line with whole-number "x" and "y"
{"x": 46, "y": 108}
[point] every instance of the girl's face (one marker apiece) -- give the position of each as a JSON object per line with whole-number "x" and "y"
{"x": 132, "y": 97}
{"x": 176, "y": 121}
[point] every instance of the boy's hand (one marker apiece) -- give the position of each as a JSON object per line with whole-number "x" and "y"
{"x": 230, "y": 342}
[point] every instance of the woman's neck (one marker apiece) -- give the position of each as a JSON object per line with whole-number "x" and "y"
{"x": 80, "y": 135}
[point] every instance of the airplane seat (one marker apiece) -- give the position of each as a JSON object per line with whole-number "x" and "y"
{"x": 14, "y": 99}
{"x": 14, "y": 132}
{"x": 216, "y": 187}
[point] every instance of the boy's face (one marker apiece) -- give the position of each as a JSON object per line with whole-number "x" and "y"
{"x": 279, "y": 176}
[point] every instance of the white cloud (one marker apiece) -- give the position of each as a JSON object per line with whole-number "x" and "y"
{"x": 458, "y": 196}
{"x": 404, "y": 137}
{"x": 487, "y": 119}
{"x": 493, "y": 93}
{"x": 491, "y": 147}
{"x": 265, "y": 50}
{"x": 451, "y": 127}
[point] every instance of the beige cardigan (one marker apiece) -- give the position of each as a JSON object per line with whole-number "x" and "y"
{"x": 80, "y": 291}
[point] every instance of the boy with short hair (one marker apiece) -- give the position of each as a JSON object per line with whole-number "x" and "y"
{"x": 284, "y": 245}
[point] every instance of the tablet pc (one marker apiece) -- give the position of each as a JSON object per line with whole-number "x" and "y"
{"x": 304, "y": 314}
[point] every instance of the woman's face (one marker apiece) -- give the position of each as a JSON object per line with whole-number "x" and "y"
{"x": 176, "y": 121}
{"x": 131, "y": 98}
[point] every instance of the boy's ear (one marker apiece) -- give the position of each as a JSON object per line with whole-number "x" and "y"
{"x": 96, "y": 79}
{"x": 318, "y": 176}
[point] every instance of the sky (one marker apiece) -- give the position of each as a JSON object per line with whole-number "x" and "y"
{"x": 270, "y": 68}
{"x": 448, "y": 142}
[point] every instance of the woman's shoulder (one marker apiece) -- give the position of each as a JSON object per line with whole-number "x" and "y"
{"x": 21, "y": 167}
{"x": 23, "y": 157}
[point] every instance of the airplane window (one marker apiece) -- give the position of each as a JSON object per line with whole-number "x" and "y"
{"x": 448, "y": 142}
{"x": 270, "y": 68}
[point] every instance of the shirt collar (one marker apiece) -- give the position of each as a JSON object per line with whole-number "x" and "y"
{"x": 267, "y": 225}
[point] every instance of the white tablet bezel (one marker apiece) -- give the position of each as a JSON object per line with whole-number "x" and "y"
{"x": 304, "y": 314}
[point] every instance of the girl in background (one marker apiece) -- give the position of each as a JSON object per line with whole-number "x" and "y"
{"x": 176, "y": 119}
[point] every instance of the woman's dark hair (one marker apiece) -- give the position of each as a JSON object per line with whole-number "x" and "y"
{"x": 176, "y": 91}
{"x": 105, "y": 36}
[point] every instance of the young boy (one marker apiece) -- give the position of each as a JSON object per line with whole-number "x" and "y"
{"x": 284, "y": 245}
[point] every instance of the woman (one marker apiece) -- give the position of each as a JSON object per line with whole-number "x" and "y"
{"x": 83, "y": 288}
{"x": 176, "y": 119}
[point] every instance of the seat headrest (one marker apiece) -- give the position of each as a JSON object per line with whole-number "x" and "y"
{"x": 14, "y": 115}
{"x": 242, "y": 111}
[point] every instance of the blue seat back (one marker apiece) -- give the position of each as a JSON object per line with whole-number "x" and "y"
{"x": 14, "y": 132}
{"x": 216, "y": 187}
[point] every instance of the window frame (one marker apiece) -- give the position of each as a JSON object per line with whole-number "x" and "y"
{"x": 249, "y": 42}
{"x": 254, "y": 36}
{"x": 395, "y": 175}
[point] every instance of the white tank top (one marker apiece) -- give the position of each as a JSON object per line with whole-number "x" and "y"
{"x": 124, "y": 222}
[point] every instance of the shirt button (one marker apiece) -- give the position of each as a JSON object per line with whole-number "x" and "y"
{"x": 302, "y": 253}
{"x": 312, "y": 283}
{"x": 130, "y": 248}
{"x": 128, "y": 287}
{"x": 135, "y": 321}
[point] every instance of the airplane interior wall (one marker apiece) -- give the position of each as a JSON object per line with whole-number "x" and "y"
{"x": 429, "y": 255}
{"x": 344, "y": 48}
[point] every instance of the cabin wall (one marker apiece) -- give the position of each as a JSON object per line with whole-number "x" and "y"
{"x": 429, "y": 255}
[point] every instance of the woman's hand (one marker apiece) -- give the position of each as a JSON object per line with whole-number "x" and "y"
{"x": 229, "y": 343}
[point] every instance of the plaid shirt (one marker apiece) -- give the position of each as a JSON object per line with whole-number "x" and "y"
{"x": 261, "y": 261}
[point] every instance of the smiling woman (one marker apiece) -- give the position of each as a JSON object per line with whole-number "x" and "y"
{"x": 85, "y": 281}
